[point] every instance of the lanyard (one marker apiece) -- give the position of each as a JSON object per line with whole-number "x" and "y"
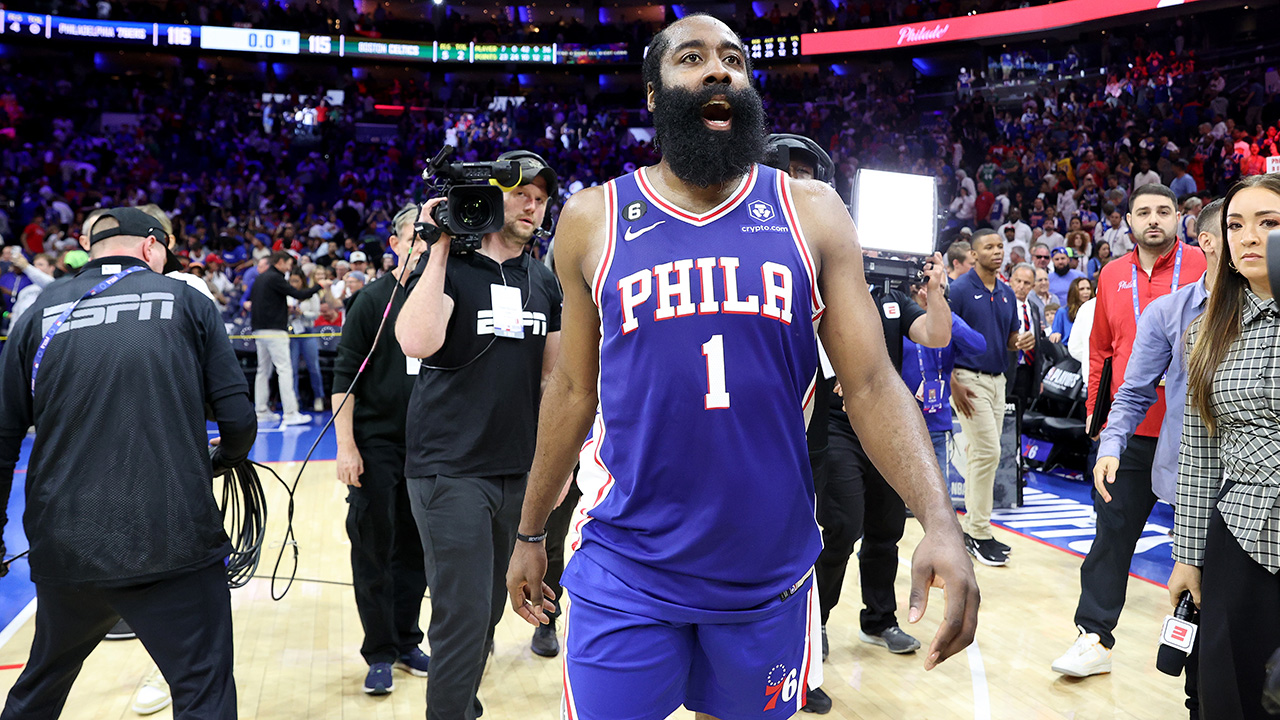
{"x": 920, "y": 359}
{"x": 57, "y": 324}
{"x": 1173, "y": 286}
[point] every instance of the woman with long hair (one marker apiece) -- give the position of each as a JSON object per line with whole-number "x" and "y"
{"x": 302, "y": 318}
{"x": 1101, "y": 256}
{"x": 1078, "y": 294}
{"x": 1078, "y": 240}
{"x": 1227, "y": 522}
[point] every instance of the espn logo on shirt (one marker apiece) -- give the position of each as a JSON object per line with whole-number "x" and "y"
{"x": 108, "y": 310}
{"x": 536, "y": 322}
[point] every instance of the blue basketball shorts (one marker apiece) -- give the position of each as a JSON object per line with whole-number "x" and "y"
{"x": 620, "y": 665}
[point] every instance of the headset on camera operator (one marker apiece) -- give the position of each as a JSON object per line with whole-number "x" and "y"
{"x": 115, "y": 368}
{"x": 485, "y": 316}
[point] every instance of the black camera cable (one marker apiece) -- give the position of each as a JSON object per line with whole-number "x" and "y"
{"x": 290, "y": 539}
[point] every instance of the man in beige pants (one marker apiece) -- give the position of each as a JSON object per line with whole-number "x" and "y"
{"x": 989, "y": 306}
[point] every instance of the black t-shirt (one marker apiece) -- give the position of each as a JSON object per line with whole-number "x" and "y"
{"x": 118, "y": 487}
{"x": 897, "y": 313}
{"x": 270, "y": 309}
{"x": 474, "y": 409}
{"x": 382, "y": 395}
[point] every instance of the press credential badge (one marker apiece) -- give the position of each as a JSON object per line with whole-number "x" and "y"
{"x": 508, "y": 315}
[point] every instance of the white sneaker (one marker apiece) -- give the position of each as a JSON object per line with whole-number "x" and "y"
{"x": 268, "y": 416}
{"x": 296, "y": 419}
{"x": 319, "y": 405}
{"x": 1086, "y": 657}
{"x": 153, "y": 696}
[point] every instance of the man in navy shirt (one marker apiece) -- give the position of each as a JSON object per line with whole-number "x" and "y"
{"x": 978, "y": 386}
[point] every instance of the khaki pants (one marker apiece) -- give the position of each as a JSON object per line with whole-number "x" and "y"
{"x": 982, "y": 432}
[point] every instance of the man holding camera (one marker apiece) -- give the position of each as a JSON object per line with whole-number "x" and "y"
{"x": 121, "y": 515}
{"x": 487, "y": 324}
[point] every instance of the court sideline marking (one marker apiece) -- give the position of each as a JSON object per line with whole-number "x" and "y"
{"x": 14, "y": 625}
{"x": 977, "y": 671}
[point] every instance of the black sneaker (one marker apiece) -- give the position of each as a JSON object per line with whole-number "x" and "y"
{"x": 1001, "y": 546}
{"x": 895, "y": 639}
{"x": 826, "y": 648}
{"x": 545, "y": 643}
{"x": 121, "y": 631}
{"x": 817, "y": 702}
{"x": 986, "y": 551}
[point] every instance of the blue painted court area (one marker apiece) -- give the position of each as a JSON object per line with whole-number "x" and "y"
{"x": 1058, "y": 511}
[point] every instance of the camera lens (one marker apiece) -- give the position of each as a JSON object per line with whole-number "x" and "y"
{"x": 474, "y": 213}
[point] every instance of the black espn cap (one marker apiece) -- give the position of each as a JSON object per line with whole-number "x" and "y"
{"x": 133, "y": 223}
{"x": 136, "y": 223}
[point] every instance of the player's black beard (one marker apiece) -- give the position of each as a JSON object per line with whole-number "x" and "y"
{"x": 699, "y": 155}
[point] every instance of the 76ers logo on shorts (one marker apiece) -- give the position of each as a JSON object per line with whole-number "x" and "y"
{"x": 780, "y": 683}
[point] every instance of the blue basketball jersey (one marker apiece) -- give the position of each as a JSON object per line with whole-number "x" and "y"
{"x": 696, "y": 481}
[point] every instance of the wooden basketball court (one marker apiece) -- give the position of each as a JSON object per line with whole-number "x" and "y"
{"x": 299, "y": 658}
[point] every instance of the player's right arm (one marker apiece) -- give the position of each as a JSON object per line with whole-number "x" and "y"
{"x": 569, "y": 402}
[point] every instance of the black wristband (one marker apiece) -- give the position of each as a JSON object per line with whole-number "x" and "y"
{"x": 532, "y": 538}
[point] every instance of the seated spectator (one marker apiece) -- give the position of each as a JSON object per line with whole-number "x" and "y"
{"x": 329, "y": 316}
{"x": 1051, "y": 312}
{"x": 1080, "y": 293}
{"x": 1040, "y": 295}
{"x": 1101, "y": 256}
{"x": 1063, "y": 275}
{"x": 1078, "y": 240}
{"x": 354, "y": 283}
{"x": 959, "y": 258}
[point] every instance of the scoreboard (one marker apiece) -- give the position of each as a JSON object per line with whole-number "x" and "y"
{"x": 37, "y": 27}
{"x": 772, "y": 48}
{"x": 22, "y": 25}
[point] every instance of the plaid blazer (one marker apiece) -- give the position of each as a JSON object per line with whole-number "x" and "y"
{"x": 1245, "y": 451}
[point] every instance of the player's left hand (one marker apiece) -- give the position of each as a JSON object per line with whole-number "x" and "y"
{"x": 530, "y": 596}
{"x": 940, "y": 561}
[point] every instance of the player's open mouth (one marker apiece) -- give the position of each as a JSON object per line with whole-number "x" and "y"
{"x": 717, "y": 114}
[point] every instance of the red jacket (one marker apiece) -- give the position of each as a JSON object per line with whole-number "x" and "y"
{"x": 1114, "y": 325}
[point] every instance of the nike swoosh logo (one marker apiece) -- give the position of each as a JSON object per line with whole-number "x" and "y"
{"x": 629, "y": 236}
{"x": 977, "y": 297}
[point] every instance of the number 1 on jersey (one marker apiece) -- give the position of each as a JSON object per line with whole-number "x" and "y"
{"x": 717, "y": 397}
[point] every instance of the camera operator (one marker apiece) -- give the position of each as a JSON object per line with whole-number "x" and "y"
{"x": 387, "y": 565}
{"x": 122, "y": 519}
{"x": 488, "y": 325}
{"x": 853, "y": 498}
